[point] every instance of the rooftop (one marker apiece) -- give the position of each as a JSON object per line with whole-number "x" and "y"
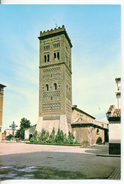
{"x": 55, "y": 32}
{"x": 79, "y": 110}
{"x": 113, "y": 113}
{"x": 2, "y": 85}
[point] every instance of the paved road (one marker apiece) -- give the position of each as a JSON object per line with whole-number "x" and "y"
{"x": 24, "y": 161}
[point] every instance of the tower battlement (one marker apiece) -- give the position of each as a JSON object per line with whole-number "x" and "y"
{"x": 54, "y": 32}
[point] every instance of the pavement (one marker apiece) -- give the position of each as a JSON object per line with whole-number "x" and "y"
{"x": 29, "y": 161}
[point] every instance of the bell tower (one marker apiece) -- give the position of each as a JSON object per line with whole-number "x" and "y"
{"x": 55, "y": 86}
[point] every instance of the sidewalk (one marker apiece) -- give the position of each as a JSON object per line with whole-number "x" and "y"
{"x": 116, "y": 174}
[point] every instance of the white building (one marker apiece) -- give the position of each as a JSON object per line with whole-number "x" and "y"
{"x": 114, "y": 118}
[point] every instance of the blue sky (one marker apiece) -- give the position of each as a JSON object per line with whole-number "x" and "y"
{"x": 95, "y": 32}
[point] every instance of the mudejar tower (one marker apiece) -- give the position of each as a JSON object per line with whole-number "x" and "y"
{"x": 55, "y": 86}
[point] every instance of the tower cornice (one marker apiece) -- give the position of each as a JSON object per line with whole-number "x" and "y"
{"x": 54, "y": 32}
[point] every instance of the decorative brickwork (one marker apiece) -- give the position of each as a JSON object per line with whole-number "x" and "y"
{"x": 53, "y": 94}
{"x": 51, "y": 117}
{"x": 54, "y": 75}
{"x": 52, "y": 106}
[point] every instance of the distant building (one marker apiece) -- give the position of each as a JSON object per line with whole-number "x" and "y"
{"x": 1, "y": 107}
{"x": 29, "y": 132}
{"x": 114, "y": 118}
{"x": 9, "y": 131}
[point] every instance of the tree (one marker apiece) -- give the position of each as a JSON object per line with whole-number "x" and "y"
{"x": 24, "y": 124}
{"x": 9, "y": 137}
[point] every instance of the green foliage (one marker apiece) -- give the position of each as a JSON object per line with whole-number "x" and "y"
{"x": 59, "y": 139}
{"x": 9, "y": 137}
{"x": 17, "y": 135}
{"x": 35, "y": 135}
{"x": 24, "y": 124}
{"x": 76, "y": 142}
{"x": 71, "y": 138}
{"x": 52, "y": 136}
{"x": 43, "y": 136}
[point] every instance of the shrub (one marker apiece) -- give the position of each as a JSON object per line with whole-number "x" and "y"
{"x": 52, "y": 136}
{"x": 76, "y": 142}
{"x": 32, "y": 139}
{"x": 35, "y": 135}
{"x": 9, "y": 137}
{"x": 71, "y": 138}
{"x": 43, "y": 136}
{"x": 59, "y": 139}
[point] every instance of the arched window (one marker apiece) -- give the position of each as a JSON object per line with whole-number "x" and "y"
{"x": 45, "y": 58}
{"x": 54, "y": 56}
{"x": 48, "y": 57}
{"x": 47, "y": 87}
{"x": 51, "y": 97}
{"x": 55, "y": 85}
{"x": 57, "y": 55}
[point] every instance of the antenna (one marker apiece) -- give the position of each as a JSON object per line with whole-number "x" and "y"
{"x": 55, "y": 23}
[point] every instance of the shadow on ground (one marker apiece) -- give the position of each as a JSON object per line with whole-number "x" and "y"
{"x": 58, "y": 165}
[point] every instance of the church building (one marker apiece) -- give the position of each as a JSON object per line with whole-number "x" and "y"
{"x": 55, "y": 91}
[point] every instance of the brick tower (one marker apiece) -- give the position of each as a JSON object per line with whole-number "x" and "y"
{"x": 55, "y": 86}
{"x": 1, "y": 107}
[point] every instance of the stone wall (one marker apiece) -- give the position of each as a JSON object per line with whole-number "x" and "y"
{"x": 88, "y": 135}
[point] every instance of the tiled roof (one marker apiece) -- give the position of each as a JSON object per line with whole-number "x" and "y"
{"x": 79, "y": 110}
{"x": 113, "y": 112}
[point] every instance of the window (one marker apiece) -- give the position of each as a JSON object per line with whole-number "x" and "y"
{"x": 56, "y": 55}
{"x": 51, "y": 97}
{"x": 47, "y": 87}
{"x": 56, "y": 45}
{"x": 46, "y": 58}
{"x": 55, "y": 85}
{"x": 46, "y": 47}
{"x": 97, "y": 131}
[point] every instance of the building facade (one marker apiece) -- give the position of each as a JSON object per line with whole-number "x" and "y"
{"x": 1, "y": 108}
{"x": 9, "y": 131}
{"x": 55, "y": 92}
{"x": 55, "y": 88}
{"x": 86, "y": 130}
{"x": 114, "y": 118}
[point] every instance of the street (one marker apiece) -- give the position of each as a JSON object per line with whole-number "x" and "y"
{"x": 29, "y": 161}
